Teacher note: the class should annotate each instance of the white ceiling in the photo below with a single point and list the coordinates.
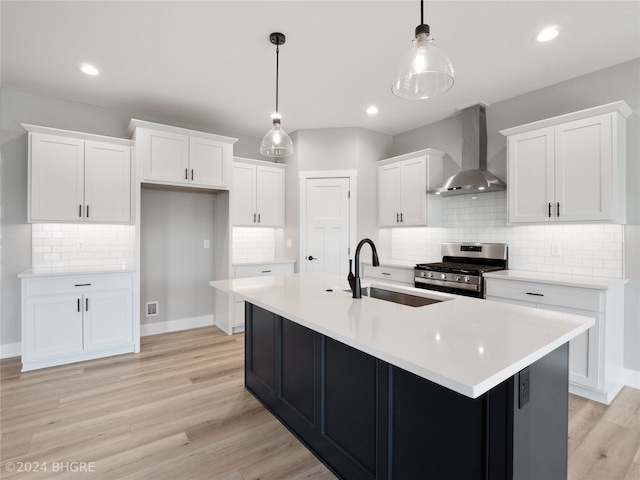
(211, 61)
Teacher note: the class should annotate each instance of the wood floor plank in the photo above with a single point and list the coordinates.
(179, 410)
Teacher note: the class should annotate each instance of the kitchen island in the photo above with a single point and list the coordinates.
(460, 388)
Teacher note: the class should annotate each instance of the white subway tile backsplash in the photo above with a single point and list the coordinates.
(70, 245)
(586, 249)
(253, 244)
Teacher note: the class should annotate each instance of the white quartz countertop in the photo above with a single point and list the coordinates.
(467, 345)
(583, 281)
(57, 271)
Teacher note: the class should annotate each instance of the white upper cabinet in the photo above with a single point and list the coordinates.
(177, 156)
(257, 193)
(402, 189)
(76, 177)
(569, 168)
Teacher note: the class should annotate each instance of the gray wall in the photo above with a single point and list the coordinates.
(620, 82)
(175, 268)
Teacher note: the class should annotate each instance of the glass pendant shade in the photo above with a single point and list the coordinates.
(276, 142)
(425, 71)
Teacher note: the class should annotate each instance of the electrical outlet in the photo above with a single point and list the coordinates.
(556, 249)
(289, 243)
(525, 388)
(206, 244)
(152, 309)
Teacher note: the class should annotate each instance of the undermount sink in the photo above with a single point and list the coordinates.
(395, 297)
(401, 298)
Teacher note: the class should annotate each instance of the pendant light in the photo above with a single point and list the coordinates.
(276, 143)
(425, 71)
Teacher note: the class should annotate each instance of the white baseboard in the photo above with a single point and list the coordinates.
(8, 350)
(631, 378)
(175, 325)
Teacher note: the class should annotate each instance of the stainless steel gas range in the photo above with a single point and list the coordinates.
(462, 267)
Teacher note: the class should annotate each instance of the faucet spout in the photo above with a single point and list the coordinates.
(356, 288)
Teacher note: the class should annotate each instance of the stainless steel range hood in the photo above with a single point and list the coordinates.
(474, 177)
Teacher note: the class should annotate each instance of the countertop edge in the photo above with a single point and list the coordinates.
(66, 271)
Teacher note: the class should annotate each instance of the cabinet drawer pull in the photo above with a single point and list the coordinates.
(192, 174)
(80, 211)
(86, 304)
(82, 285)
(266, 271)
(401, 217)
(549, 209)
(558, 209)
(87, 211)
(78, 305)
(385, 273)
(258, 218)
(186, 174)
(254, 217)
(535, 294)
(397, 218)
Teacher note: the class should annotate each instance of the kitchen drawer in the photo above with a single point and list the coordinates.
(77, 283)
(388, 273)
(544, 294)
(259, 270)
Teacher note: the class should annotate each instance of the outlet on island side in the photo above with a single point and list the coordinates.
(524, 388)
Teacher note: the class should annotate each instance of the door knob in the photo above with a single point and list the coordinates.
(310, 257)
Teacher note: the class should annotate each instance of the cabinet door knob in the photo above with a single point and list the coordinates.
(310, 257)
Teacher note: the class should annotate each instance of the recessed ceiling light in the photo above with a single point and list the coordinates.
(89, 69)
(372, 110)
(547, 34)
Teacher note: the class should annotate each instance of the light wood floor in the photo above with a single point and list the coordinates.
(178, 410)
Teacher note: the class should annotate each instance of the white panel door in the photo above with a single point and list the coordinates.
(584, 169)
(57, 178)
(270, 196)
(413, 192)
(208, 163)
(107, 182)
(53, 326)
(108, 319)
(531, 176)
(166, 157)
(327, 231)
(389, 195)
(243, 192)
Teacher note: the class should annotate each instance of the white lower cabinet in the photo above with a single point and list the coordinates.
(72, 318)
(236, 316)
(595, 356)
(388, 273)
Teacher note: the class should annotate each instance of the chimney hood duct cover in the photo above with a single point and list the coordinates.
(474, 176)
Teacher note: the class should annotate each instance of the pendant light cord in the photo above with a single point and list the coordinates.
(277, 73)
(421, 12)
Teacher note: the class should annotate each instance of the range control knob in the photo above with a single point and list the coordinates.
(466, 279)
(443, 276)
(430, 274)
(457, 279)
